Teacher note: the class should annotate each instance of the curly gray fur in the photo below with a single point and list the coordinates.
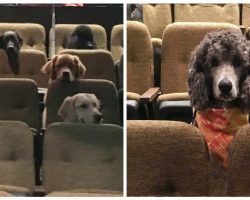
(229, 46)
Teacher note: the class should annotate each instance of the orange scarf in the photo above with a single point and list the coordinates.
(218, 126)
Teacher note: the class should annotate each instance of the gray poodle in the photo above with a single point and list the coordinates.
(219, 88)
(218, 71)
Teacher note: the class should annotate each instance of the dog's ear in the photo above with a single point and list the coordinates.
(20, 40)
(49, 67)
(81, 69)
(198, 87)
(245, 95)
(66, 109)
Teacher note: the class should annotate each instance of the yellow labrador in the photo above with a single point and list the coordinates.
(82, 107)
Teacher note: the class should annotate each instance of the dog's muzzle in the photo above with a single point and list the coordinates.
(225, 86)
(98, 117)
(66, 77)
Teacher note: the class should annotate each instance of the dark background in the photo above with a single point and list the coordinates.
(106, 15)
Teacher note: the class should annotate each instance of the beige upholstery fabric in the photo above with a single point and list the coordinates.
(30, 61)
(179, 40)
(157, 17)
(16, 157)
(140, 71)
(83, 156)
(166, 158)
(99, 63)
(5, 194)
(174, 97)
(19, 101)
(33, 35)
(133, 96)
(116, 41)
(103, 89)
(239, 162)
(156, 42)
(86, 193)
(229, 13)
(246, 15)
(14, 190)
(63, 32)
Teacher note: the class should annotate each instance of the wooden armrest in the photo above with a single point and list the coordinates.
(150, 95)
(242, 28)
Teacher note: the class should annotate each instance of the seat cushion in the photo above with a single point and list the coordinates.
(175, 110)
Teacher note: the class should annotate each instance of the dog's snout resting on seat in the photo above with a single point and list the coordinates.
(12, 42)
(65, 67)
(82, 107)
(219, 88)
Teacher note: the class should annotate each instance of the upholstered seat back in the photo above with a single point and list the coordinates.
(99, 63)
(179, 40)
(229, 13)
(16, 157)
(140, 73)
(104, 90)
(30, 64)
(83, 156)
(116, 42)
(157, 17)
(166, 158)
(238, 173)
(63, 32)
(33, 35)
(19, 101)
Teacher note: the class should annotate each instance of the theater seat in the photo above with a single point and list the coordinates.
(238, 168)
(16, 159)
(229, 13)
(105, 91)
(31, 62)
(99, 63)
(63, 32)
(166, 158)
(33, 34)
(116, 42)
(140, 70)
(83, 159)
(179, 40)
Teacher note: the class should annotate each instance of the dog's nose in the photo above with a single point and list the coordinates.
(98, 117)
(225, 86)
(10, 49)
(65, 76)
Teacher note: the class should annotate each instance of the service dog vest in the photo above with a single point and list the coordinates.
(218, 126)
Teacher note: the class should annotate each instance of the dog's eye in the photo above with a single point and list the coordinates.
(83, 106)
(214, 61)
(94, 104)
(237, 61)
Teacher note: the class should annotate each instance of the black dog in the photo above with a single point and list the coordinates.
(81, 38)
(11, 42)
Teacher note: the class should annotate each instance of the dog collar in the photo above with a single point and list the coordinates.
(218, 126)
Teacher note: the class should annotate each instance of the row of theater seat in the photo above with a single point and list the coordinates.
(78, 160)
(161, 56)
(158, 16)
(100, 63)
(20, 100)
(167, 158)
(178, 41)
(34, 36)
